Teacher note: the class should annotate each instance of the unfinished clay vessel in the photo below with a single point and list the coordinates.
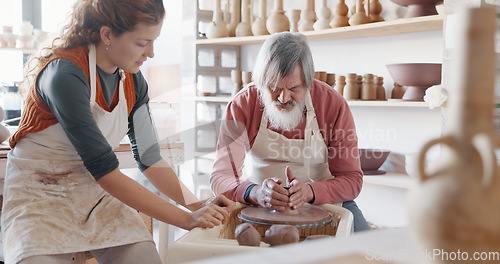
(278, 235)
(456, 205)
(247, 235)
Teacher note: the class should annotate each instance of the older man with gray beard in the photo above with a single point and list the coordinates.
(287, 128)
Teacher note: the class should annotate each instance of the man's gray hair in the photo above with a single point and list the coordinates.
(278, 56)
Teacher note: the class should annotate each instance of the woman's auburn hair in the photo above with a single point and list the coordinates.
(84, 25)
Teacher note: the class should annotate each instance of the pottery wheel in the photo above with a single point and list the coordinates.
(308, 216)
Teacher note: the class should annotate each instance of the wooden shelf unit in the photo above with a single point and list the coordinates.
(392, 27)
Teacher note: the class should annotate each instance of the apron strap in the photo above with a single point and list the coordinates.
(93, 72)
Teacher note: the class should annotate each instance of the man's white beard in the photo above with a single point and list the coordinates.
(280, 118)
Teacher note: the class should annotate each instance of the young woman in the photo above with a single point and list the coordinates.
(63, 190)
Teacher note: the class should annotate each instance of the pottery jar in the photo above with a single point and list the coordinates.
(278, 21)
(307, 17)
(217, 28)
(244, 28)
(456, 205)
(259, 25)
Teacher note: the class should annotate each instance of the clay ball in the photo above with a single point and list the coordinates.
(247, 235)
(282, 234)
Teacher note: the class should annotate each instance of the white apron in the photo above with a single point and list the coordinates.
(272, 152)
(52, 204)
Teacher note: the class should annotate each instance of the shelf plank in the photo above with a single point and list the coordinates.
(396, 26)
(390, 179)
(387, 103)
(214, 99)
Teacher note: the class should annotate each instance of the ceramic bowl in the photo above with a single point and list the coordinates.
(417, 77)
(372, 159)
(418, 8)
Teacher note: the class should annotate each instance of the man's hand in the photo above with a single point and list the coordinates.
(300, 193)
(270, 195)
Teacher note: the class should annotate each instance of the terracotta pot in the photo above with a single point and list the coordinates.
(340, 18)
(278, 21)
(360, 16)
(456, 205)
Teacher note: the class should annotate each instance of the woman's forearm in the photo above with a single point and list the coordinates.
(140, 198)
(163, 177)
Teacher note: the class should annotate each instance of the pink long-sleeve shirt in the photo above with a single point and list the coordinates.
(239, 129)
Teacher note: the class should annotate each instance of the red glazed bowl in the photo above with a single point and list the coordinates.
(418, 8)
(417, 77)
(372, 159)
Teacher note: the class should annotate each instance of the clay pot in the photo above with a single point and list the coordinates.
(278, 235)
(278, 21)
(340, 18)
(375, 10)
(244, 28)
(351, 89)
(259, 25)
(235, 17)
(294, 20)
(217, 28)
(456, 205)
(397, 92)
(307, 17)
(247, 235)
(324, 15)
(360, 16)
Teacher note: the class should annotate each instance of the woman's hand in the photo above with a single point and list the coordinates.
(300, 193)
(270, 195)
(212, 214)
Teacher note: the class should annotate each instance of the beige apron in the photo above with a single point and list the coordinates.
(53, 205)
(272, 152)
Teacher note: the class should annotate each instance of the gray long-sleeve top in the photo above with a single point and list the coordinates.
(63, 86)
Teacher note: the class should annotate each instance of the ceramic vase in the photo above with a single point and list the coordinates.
(259, 25)
(455, 207)
(278, 21)
(340, 84)
(368, 90)
(375, 10)
(351, 88)
(307, 17)
(340, 18)
(217, 28)
(379, 87)
(398, 91)
(360, 16)
(234, 17)
(244, 28)
(324, 14)
(294, 20)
